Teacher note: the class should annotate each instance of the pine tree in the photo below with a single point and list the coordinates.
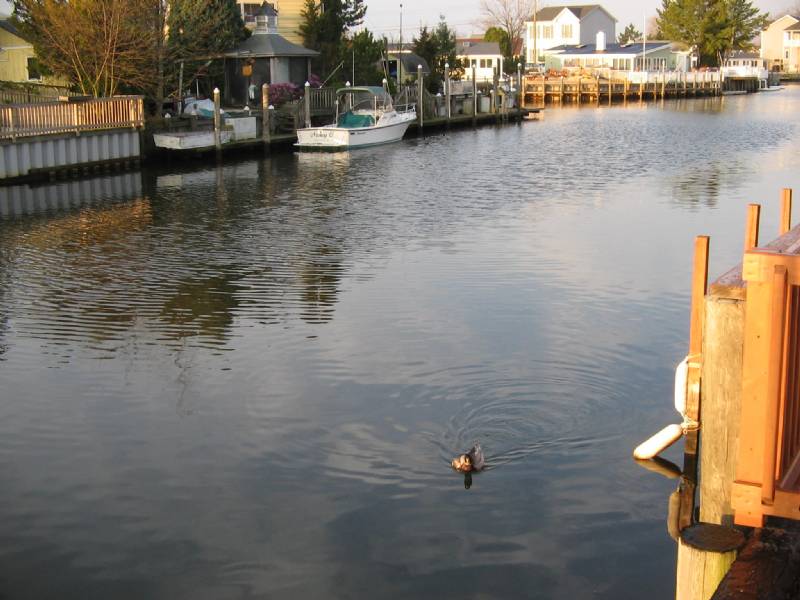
(324, 28)
(629, 34)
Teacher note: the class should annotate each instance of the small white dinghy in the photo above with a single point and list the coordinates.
(365, 116)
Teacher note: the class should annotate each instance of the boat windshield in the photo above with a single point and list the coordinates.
(361, 106)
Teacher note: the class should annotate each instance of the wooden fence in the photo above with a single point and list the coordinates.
(44, 118)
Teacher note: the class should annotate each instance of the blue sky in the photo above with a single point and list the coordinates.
(383, 16)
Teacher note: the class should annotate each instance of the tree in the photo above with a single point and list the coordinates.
(324, 28)
(714, 27)
(495, 34)
(509, 16)
(99, 45)
(366, 54)
(199, 29)
(629, 34)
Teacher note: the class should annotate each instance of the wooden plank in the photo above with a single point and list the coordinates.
(721, 376)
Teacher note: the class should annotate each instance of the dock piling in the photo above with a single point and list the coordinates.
(786, 211)
(265, 125)
(217, 121)
(420, 92)
(307, 103)
(751, 229)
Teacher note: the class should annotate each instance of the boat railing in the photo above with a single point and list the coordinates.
(405, 108)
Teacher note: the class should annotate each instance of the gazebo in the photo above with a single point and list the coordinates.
(264, 57)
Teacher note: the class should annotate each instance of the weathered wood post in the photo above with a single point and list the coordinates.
(265, 125)
(786, 211)
(180, 90)
(520, 91)
(217, 121)
(493, 92)
(447, 94)
(420, 98)
(751, 230)
(307, 103)
(474, 96)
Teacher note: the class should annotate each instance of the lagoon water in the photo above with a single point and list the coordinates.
(247, 381)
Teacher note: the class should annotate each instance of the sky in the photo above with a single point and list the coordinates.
(383, 16)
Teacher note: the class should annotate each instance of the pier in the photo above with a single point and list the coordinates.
(608, 86)
(741, 467)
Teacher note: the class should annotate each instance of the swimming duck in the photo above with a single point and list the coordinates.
(470, 461)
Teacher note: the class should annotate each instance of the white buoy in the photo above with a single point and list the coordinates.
(659, 442)
(681, 378)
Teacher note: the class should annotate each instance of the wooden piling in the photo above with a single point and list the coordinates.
(786, 211)
(307, 103)
(705, 554)
(447, 91)
(265, 125)
(474, 97)
(420, 97)
(751, 229)
(217, 121)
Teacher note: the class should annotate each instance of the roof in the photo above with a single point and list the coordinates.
(267, 10)
(743, 54)
(579, 10)
(269, 44)
(585, 49)
(8, 26)
(795, 27)
(411, 61)
(480, 49)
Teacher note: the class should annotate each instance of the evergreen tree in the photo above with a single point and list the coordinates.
(324, 28)
(714, 27)
(629, 34)
(365, 55)
(495, 34)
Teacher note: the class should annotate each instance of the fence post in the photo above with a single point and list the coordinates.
(420, 98)
(447, 89)
(75, 118)
(265, 113)
(217, 121)
(786, 211)
(520, 93)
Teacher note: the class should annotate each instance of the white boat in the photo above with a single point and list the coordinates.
(771, 88)
(365, 116)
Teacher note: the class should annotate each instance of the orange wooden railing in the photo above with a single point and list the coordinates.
(768, 463)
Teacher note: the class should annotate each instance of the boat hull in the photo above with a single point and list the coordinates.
(341, 138)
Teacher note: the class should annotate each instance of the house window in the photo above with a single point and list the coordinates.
(34, 70)
(787, 55)
(566, 31)
(486, 63)
(546, 32)
(249, 12)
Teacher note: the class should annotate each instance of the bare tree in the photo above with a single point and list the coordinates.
(508, 15)
(100, 45)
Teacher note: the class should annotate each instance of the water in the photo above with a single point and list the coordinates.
(248, 381)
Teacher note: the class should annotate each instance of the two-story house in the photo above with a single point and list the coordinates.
(566, 25)
(290, 12)
(780, 44)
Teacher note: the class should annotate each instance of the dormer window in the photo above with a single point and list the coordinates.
(266, 19)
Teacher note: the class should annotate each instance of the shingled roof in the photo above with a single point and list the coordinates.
(550, 12)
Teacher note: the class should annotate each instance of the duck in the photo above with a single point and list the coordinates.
(472, 460)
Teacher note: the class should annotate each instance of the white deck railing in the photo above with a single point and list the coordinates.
(43, 118)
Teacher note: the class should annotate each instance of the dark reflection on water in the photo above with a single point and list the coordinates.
(249, 380)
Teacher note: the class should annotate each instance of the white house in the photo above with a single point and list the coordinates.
(566, 25)
(780, 44)
(652, 56)
(486, 57)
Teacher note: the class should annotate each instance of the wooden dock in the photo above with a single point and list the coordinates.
(541, 89)
(743, 389)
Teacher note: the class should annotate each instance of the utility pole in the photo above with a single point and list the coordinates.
(535, 33)
(400, 53)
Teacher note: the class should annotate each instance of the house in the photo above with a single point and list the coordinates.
(264, 57)
(652, 56)
(566, 25)
(290, 11)
(18, 62)
(401, 59)
(486, 57)
(780, 44)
